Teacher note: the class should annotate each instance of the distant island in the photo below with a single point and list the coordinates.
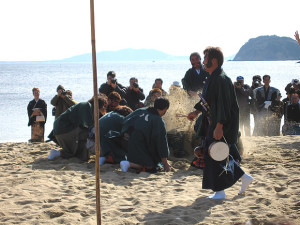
(269, 48)
(126, 55)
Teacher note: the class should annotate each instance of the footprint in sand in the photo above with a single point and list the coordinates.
(127, 209)
(53, 200)
(293, 181)
(296, 207)
(179, 190)
(26, 202)
(254, 207)
(282, 195)
(73, 209)
(53, 214)
(279, 189)
(90, 195)
(263, 201)
(36, 153)
(84, 214)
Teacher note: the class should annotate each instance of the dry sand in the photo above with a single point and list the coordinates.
(34, 190)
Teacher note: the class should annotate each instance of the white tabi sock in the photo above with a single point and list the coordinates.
(53, 154)
(124, 165)
(102, 160)
(218, 195)
(246, 181)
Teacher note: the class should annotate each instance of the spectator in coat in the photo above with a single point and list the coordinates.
(134, 94)
(62, 101)
(243, 92)
(112, 85)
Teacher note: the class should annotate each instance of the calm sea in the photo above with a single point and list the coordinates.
(18, 78)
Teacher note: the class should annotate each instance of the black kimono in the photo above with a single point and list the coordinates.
(220, 95)
(37, 128)
(193, 81)
(41, 104)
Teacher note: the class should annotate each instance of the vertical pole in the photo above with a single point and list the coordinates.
(96, 114)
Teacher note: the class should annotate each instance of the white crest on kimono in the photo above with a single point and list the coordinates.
(142, 115)
(146, 117)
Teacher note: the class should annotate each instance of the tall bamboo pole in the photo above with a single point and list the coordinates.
(96, 114)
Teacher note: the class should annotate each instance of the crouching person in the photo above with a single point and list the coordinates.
(111, 150)
(71, 129)
(147, 138)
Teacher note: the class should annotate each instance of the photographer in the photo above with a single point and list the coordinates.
(62, 101)
(256, 83)
(243, 92)
(295, 84)
(112, 85)
(292, 122)
(134, 94)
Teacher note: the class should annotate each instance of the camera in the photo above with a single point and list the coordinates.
(113, 80)
(135, 85)
(237, 84)
(256, 83)
(63, 92)
(53, 111)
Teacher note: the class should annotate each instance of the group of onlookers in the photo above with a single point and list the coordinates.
(260, 99)
(133, 95)
(264, 103)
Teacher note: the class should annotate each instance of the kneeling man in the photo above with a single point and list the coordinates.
(147, 138)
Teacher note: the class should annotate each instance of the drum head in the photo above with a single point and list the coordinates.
(218, 151)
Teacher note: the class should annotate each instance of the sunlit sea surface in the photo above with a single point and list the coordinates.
(18, 78)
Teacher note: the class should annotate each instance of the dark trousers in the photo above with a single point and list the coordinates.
(245, 123)
(73, 143)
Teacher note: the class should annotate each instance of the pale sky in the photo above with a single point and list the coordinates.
(57, 29)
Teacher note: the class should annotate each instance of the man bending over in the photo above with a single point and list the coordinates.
(147, 138)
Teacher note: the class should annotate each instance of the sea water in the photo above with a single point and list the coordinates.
(18, 78)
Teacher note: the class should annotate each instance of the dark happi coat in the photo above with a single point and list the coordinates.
(220, 95)
(111, 121)
(79, 115)
(147, 143)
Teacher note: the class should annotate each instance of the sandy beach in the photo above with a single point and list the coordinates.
(34, 190)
